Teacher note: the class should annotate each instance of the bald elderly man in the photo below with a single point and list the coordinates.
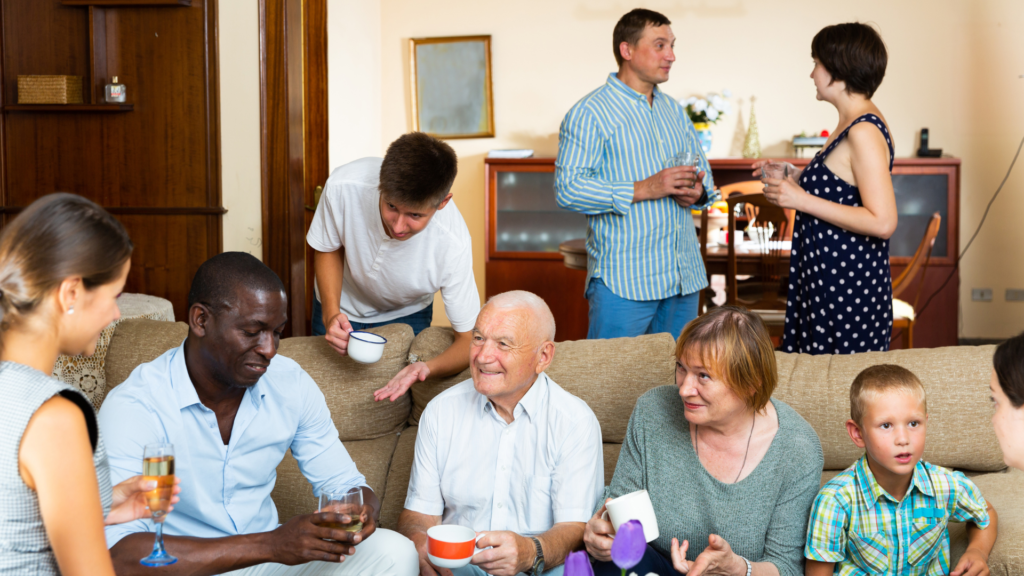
(508, 453)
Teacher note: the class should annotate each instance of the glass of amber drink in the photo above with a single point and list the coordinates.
(349, 503)
(158, 465)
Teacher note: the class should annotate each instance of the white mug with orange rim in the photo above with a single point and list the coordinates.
(451, 546)
(633, 506)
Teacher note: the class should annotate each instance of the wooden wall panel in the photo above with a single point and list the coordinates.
(293, 89)
(156, 167)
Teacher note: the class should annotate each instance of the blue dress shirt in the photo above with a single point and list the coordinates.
(225, 489)
(610, 139)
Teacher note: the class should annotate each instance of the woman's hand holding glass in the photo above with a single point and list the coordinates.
(130, 500)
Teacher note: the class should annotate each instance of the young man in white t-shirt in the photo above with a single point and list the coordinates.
(387, 237)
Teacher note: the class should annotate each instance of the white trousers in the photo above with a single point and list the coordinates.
(384, 553)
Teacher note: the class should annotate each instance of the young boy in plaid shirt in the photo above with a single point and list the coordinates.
(887, 513)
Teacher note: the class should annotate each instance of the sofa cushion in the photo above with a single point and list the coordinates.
(1005, 491)
(293, 494)
(956, 383)
(348, 386)
(429, 344)
(609, 375)
(398, 478)
(138, 341)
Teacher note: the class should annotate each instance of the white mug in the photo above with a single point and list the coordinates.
(634, 506)
(365, 347)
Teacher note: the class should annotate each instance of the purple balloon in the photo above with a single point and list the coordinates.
(578, 564)
(629, 545)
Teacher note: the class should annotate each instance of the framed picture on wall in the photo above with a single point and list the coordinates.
(451, 86)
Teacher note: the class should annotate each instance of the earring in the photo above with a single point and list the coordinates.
(71, 309)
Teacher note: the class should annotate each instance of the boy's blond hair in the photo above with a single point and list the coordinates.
(877, 380)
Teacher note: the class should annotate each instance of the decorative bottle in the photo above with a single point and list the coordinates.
(115, 91)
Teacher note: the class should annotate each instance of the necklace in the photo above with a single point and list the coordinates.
(696, 446)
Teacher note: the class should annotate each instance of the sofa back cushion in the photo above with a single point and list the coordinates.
(609, 375)
(955, 379)
(138, 341)
(348, 386)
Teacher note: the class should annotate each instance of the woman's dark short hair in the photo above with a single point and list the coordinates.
(630, 28)
(418, 170)
(58, 236)
(1009, 365)
(853, 53)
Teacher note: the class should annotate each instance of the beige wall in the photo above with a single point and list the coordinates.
(953, 68)
(239, 59)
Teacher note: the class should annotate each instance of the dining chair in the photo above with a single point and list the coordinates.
(903, 313)
(770, 268)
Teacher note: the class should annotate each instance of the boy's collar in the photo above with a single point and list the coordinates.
(921, 479)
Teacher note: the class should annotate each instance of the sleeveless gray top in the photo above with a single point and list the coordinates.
(24, 547)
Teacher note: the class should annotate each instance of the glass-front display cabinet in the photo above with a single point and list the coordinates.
(524, 227)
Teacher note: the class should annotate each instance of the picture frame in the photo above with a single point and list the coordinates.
(451, 86)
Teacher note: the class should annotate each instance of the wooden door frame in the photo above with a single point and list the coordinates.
(293, 139)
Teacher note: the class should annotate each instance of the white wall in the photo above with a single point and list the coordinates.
(353, 80)
(239, 63)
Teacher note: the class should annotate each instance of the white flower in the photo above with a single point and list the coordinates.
(726, 92)
(712, 114)
(718, 102)
(690, 101)
(700, 105)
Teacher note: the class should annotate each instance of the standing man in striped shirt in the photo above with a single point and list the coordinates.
(644, 270)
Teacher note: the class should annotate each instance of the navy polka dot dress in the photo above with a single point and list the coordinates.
(840, 287)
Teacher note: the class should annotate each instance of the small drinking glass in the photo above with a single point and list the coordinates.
(775, 171)
(685, 158)
(158, 465)
(348, 502)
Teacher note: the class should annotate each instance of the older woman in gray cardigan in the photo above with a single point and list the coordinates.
(731, 472)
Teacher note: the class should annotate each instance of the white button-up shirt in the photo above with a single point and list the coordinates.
(474, 470)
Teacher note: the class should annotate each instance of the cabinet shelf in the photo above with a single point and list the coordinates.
(69, 108)
(126, 2)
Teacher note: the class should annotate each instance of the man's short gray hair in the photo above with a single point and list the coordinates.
(545, 325)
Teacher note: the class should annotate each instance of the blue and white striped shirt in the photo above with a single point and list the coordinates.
(609, 140)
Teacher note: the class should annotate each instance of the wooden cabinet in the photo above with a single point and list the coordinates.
(153, 162)
(524, 227)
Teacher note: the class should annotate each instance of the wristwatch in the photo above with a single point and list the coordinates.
(538, 563)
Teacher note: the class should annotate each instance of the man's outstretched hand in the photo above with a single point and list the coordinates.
(400, 384)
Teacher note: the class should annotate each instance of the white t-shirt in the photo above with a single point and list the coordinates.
(384, 278)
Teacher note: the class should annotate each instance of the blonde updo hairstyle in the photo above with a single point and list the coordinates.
(58, 236)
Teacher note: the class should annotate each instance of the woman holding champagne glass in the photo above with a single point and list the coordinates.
(63, 262)
(840, 288)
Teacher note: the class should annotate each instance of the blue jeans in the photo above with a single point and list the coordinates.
(612, 316)
(418, 320)
(471, 570)
(652, 561)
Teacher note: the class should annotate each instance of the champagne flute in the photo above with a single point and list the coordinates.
(158, 465)
(349, 502)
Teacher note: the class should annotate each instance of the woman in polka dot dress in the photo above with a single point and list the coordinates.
(840, 288)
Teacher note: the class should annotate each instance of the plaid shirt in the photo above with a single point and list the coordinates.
(864, 530)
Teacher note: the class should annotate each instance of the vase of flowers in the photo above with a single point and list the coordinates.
(704, 112)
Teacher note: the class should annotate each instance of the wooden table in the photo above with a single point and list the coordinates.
(575, 254)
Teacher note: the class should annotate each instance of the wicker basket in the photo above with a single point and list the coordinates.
(49, 89)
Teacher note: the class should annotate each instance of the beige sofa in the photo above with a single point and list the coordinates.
(610, 375)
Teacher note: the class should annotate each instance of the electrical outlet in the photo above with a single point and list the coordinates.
(1014, 295)
(981, 294)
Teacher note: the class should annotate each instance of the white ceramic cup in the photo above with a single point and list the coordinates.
(365, 347)
(451, 546)
(634, 506)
